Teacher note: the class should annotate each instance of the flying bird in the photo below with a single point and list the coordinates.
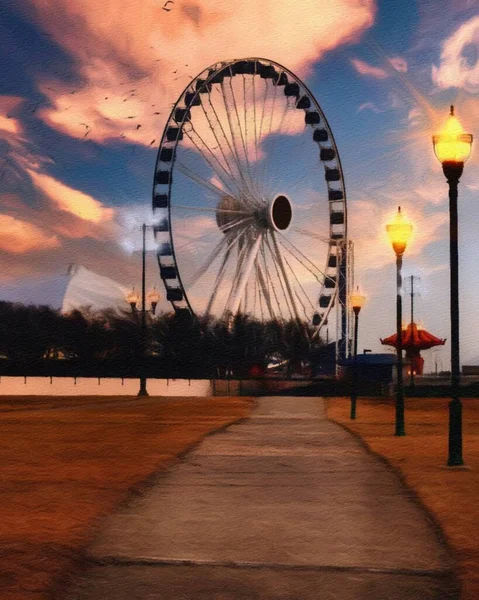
(134, 117)
(138, 126)
(86, 134)
(166, 4)
(175, 71)
(157, 113)
(151, 144)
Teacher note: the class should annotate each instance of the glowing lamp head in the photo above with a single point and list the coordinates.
(399, 232)
(133, 299)
(452, 145)
(357, 301)
(153, 298)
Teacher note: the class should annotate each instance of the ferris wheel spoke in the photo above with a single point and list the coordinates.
(266, 295)
(237, 176)
(234, 146)
(208, 262)
(270, 280)
(219, 277)
(240, 129)
(254, 119)
(245, 273)
(200, 180)
(224, 228)
(219, 144)
(209, 160)
(279, 258)
(293, 273)
(234, 283)
(304, 257)
(287, 299)
(311, 234)
(273, 145)
(254, 180)
(215, 210)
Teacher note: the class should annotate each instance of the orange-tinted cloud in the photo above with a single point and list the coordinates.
(454, 69)
(136, 61)
(363, 68)
(399, 63)
(18, 237)
(70, 200)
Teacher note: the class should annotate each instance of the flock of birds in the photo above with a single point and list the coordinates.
(167, 7)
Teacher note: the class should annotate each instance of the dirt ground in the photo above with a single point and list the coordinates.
(66, 462)
(452, 495)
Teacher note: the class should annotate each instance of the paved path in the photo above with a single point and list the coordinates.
(285, 505)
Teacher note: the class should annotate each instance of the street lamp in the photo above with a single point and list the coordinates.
(399, 231)
(153, 298)
(452, 147)
(133, 298)
(357, 302)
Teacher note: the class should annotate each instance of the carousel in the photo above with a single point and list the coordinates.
(414, 339)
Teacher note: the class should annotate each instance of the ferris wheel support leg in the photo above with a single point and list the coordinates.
(245, 275)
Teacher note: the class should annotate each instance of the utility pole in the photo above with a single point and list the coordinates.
(412, 294)
(143, 391)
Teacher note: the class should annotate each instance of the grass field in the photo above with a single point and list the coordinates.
(451, 495)
(67, 462)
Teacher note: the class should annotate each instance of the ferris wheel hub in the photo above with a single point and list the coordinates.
(280, 213)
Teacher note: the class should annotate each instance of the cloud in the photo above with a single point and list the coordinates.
(372, 247)
(364, 68)
(70, 200)
(18, 236)
(399, 63)
(137, 62)
(459, 67)
(369, 106)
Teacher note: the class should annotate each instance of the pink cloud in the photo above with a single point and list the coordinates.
(71, 200)
(143, 59)
(399, 63)
(454, 69)
(364, 68)
(18, 236)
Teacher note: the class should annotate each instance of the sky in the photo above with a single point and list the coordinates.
(76, 172)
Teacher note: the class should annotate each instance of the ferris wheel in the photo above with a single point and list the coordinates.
(247, 221)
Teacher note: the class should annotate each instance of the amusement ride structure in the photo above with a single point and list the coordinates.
(246, 222)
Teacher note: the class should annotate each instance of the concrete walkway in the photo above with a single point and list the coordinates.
(285, 505)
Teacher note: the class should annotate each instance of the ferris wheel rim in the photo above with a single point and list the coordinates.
(179, 296)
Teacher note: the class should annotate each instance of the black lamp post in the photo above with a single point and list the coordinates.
(399, 232)
(133, 298)
(452, 147)
(357, 302)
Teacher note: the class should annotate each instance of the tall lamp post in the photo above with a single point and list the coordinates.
(399, 231)
(357, 302)
(133, 298)
(452, 147)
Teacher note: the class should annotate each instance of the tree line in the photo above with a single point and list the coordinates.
(37, 340)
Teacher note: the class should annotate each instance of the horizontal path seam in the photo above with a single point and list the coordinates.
(151, 562)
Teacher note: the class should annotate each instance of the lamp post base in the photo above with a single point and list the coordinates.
(352, 414)
(142, 391)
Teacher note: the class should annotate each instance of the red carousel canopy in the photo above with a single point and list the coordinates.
(413, 337)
